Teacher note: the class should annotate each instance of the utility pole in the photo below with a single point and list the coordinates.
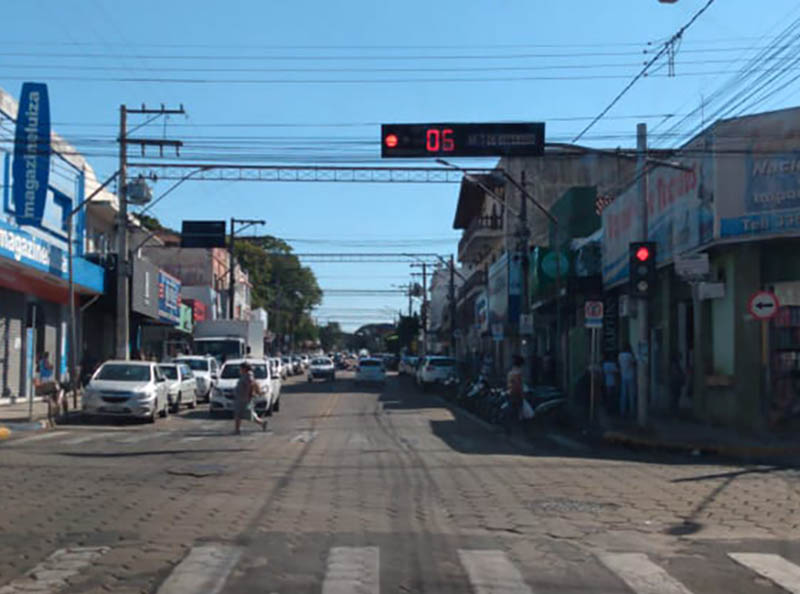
(123, 266)
(524, 310)
(424, 309)
(232, 258)
(642, 314)
(452, 298)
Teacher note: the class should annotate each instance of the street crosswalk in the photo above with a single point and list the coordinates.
(215, 567)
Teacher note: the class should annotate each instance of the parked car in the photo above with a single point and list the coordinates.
(297, 364)
(321, 368)
(391, 362)
(277, 367)
(181, 385)
(370, 370)
(408, 365)
(435, 369)
(127, 388)
(306, 361)
(288, 367)
(205, 371)
(223, 395)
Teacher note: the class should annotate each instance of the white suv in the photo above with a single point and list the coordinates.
(435, 369)
(223, 396)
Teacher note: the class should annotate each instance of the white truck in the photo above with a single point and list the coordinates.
(229, 339)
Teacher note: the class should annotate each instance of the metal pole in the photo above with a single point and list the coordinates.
(642, 368)
(73, 343)
(592, 363)
(424, 310)
(123, 321)
(29, 382)
(524, 309)
(452, 291)
(231, 272)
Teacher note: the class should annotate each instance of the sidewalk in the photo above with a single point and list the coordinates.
(695, 437)
(14, 416)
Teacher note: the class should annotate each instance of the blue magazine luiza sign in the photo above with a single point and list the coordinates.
(31, 167)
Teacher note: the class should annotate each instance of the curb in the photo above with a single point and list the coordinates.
(617, 437)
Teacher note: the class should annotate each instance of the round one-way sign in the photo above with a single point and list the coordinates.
(763, 305)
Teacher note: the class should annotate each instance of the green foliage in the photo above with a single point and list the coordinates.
(331, 336)
(407, 330)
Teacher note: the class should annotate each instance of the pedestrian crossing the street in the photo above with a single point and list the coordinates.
(210, 567)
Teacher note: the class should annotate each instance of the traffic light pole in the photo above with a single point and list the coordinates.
(643, 319)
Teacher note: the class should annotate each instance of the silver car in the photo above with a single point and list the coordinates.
(127, 389)
(181, 385)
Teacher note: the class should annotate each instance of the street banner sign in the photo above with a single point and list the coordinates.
(763, 305)
(31, 168)
(593, 314)
(202, 234)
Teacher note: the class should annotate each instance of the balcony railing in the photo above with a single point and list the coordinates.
(476, 279)
(479, 225)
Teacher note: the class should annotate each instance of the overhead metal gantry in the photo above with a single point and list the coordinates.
(297, 173)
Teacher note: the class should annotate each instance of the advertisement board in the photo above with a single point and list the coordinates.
(679, 215)
(169, 300)
(498, 292)
(31, 168)
(144, 289)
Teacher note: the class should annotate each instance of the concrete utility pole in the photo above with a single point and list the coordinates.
(643, 348)
(424, 309)
(452, 297)
(123, 267)
(123, 307)
(524, 310)
(232, 258)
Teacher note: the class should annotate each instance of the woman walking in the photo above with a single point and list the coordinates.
(246, 389)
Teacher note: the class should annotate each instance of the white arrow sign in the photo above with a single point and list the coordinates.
(763, 305)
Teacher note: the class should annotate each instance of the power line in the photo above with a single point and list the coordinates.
(644, 70)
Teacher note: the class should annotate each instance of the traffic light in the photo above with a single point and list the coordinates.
(642, 264)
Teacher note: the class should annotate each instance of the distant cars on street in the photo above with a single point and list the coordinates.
(321, 368)
(408, 365)
(127, 389)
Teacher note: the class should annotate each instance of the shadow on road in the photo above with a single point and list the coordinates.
(152, 453)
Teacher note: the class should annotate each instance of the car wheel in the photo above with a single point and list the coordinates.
(277, 406)
(176, 408)
(310, 379)
(193, 403)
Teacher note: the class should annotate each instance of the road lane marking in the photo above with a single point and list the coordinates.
(352, 569)
(492, 572)
(51, 575)
(191, 438)
(40, 436)
(85, 438)
(642, 575)
(773, 567)
(205, 570)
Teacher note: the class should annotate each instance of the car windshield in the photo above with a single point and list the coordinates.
(169, 371)
(218, 348)
(195, 364)
(233, 371)
(321, 362)
(122, 372)
(442, 362)
(369, 363)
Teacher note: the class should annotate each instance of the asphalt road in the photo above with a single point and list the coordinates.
(367, 489)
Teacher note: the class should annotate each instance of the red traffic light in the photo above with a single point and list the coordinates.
(390, 140)
(642, 254)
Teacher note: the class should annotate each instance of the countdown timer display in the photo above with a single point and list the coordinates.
(462, 140)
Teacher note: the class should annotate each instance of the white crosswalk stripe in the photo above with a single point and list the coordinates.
(642, 575)
(205, 570)
(773, 567)
(86, 438)
(352, 569)
(492, 572)
(40, 436)
(51, 575)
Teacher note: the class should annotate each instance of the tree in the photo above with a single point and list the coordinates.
(407, 330)
(331, 336)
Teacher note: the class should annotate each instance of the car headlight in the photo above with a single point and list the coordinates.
(145, 395)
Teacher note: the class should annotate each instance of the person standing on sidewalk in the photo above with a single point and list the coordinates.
(627, 371)
(610, 381)
(514, 384)
(246, 389)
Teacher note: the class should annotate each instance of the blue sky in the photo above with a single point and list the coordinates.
(567, 59)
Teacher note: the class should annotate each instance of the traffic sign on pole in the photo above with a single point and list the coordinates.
(763, 305)
(593, 314)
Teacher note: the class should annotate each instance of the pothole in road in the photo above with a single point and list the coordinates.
(573, 505)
